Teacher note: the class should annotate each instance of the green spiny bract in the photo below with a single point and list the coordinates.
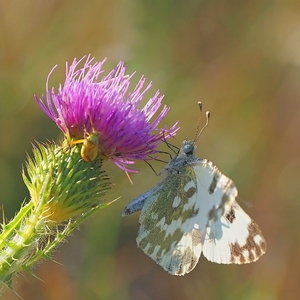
(64, 191)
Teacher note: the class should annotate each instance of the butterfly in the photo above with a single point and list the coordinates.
(193, 210)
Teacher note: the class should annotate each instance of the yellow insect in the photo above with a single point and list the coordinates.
(90, 147)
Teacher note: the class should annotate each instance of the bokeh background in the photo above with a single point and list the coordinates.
(240, 58)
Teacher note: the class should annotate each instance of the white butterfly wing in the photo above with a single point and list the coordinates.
(231, 236)
(234, 238)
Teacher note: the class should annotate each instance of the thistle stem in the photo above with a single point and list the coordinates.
(20, 238)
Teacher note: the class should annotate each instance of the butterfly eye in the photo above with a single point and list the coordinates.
(188, 148)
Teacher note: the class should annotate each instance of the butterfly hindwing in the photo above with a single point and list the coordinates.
(185, 255)
(167, 217)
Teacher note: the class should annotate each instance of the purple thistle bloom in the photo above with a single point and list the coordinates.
(87, 104)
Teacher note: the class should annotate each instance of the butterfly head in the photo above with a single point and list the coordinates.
(188, 147)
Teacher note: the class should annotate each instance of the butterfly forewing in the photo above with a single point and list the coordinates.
(234, 238)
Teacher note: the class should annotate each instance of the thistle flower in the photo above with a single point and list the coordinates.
(100, 120)
(104, 117)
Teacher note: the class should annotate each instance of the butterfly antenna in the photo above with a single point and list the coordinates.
(198, 125)
(199, 131)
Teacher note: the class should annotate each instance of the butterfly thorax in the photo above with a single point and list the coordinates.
(184, 157)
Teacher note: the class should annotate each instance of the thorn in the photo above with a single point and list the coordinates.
(129, 177)
(3, 217)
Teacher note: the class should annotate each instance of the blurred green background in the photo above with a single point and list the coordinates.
(240, 58)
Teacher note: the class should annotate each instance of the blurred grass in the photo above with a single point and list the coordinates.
(240, 58)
